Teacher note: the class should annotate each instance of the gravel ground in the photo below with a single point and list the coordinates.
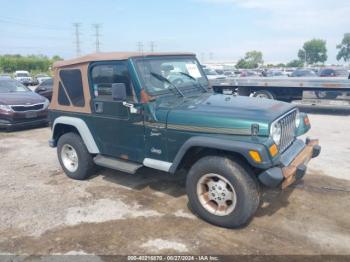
(44, 212)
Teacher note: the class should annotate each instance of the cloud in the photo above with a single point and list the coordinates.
(304, 15)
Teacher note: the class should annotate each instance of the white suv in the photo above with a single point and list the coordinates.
(24, 77)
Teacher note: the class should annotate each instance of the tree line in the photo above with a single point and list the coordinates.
(312, 52)
(31, 63)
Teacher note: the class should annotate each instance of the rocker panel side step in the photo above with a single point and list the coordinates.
(117, 164)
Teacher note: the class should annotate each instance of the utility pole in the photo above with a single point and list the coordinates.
(202, 57)
(152, 46)
(97, 36)
(140, 47)
(211, 56)
(77, 38)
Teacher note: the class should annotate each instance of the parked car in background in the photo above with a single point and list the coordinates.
(275, 73)
(248, 73)
(23, 77)
(331, 72)
(288, 71)
(212, 74)
(5, 76)
(20, 107)
(229, 73)
(39, 78)
(303, 73)
(45, 88)
(334, 72)
(219, 71)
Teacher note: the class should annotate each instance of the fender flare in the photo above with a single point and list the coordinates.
(82, 128)
(239, 147)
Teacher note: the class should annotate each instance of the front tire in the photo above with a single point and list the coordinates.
(264, 94)
(222, 191)
(74, 157)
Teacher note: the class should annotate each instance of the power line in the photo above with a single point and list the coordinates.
(77, 38)
(34, 37)
(97, 36)
(17, 22)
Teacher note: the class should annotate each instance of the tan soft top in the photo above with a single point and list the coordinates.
(111, 56)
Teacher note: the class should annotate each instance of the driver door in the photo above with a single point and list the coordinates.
(119, 129)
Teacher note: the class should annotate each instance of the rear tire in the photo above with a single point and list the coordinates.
(74, 157)
(222, 191)
(264, 94)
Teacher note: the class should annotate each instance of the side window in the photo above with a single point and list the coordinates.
(72, 82)
(62, 97)
(103, 76)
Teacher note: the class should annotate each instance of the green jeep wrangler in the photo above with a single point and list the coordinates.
(125, 111)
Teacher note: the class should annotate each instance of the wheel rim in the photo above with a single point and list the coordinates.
(216, 194)
(260, 95)
(69, 158)
(321, 94)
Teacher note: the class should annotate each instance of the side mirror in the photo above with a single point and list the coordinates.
(119, 91)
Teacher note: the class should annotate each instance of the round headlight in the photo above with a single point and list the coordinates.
(297, 119)
(276, 131)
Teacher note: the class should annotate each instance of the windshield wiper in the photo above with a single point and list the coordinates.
(194, 79)
(163, 79)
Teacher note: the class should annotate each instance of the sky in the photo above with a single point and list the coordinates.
(216, 30)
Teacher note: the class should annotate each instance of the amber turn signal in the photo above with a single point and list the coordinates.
(273, 150)
(306, 121)
(255, 156)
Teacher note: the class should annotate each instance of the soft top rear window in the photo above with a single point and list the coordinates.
(72, 83)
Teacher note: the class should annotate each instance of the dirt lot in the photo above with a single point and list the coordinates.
(44, 212)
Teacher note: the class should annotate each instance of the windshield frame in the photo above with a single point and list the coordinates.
(144, 86)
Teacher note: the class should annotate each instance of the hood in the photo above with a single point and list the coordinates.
(21, 98)
(226, 114)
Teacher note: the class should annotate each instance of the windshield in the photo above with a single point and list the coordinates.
(10, 86)
(164, 74)
(48, 82)
(22, 75)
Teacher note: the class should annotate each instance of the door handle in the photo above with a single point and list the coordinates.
(132, 108)
(98, 107)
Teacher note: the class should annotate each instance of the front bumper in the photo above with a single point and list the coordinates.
(293, 166)
(23, 124)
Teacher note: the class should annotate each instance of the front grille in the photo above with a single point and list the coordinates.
(287, 130)
(27, 108)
